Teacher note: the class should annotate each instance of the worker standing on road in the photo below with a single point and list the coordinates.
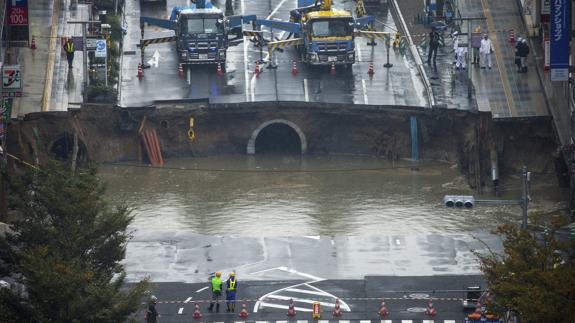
(216, 292)
(461, 53)
(151, 313)
(433, 44)
(522, 52)
(69, 49)
(485, 50)
(476, 44)
(231, 287)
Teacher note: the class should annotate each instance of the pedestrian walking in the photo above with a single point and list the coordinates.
(522, 52)
(455, 36)
(517, 50)
(485, 50)
(476, 44)
(433, 44)
(216, 283)
(231, 287)
(461, 53)
(151, 314)
(69, 49)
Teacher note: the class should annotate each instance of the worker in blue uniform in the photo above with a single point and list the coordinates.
(231, 287)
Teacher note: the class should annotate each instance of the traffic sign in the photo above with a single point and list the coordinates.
(11, 81)
(17, 12)
(101, 50)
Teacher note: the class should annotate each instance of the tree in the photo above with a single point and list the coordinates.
(67, 248)
(535, 277)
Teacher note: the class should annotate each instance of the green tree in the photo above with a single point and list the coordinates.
(67, 247)
(535, 277)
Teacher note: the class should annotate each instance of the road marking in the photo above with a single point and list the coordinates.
(246, 76)
(364, 88)
(427, 321)
(301, 321)
(261, 321)
(397, 241)
(155, 60)
(323, 321)
(305, 91)
(365, 321)
(276, 9)
(265, 270)
(449, 321)
(181, 311)
(286, 322)
(285, 307)
(201, 289)
(358, 48)
(386, 321)
(305, 291)
(313, 237)
(293, 271)
(343, 321)
(343, 304)
(188, 300)
(406, 321)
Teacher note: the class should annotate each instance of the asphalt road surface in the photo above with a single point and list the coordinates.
(406, 299)
(399, 85)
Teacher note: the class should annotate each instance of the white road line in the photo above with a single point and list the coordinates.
(305, 91)
(240, 322)
(265, 270)
(323, 321)
(449, 321)
(364, 88)
(343, 321)
(301, 321)
(427, 321)
(305, 291)
(397, 241)
(201, 289)
(181, 311)
(301, 300)
(358, 48)
(293, 271)
(189, 299)
(313, 237)
(406, 321)
(343, 304)
(365, 321)
(275, 9)
(261, 321)
(285, 307)
(386, 321)
(283, 322)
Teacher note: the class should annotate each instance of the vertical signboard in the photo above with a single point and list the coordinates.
(559, 40)
(11, 81)
(16, 20)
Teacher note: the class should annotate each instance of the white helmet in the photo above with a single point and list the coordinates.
(153, 299)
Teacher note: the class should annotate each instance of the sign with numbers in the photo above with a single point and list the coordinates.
(17, 12)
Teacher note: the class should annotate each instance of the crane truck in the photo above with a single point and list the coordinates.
(321, 34)
(202, 32)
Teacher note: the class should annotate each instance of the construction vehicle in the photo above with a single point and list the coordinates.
(202, 33)
(321, 34)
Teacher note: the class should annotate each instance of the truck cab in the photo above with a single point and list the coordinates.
(329, 38)
(202, 37)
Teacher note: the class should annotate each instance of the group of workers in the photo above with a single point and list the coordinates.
(482, 48)
(231, 286)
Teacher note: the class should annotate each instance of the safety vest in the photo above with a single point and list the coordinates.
(232, 284)
(69, 47)
(216, 284)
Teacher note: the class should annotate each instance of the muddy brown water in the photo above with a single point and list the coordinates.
(299, 196)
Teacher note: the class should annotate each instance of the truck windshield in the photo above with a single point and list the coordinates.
(330, 28)
(203, 26)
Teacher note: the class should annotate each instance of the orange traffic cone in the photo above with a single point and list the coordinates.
(197, 313)
(244, 312)
(291, 308)
(33, 44)
(337, 309)
(294, 70)
(258, 70)
(430, 310)
(332, 70)
(512, 36)
(370, 71)
(140, 71)
(220, 72)
(382, 309)
(181, 70)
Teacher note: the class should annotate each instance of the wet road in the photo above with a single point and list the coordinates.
(399, 85)
(350, 215)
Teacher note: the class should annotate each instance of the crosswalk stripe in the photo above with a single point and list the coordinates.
(281, 321)
(240, 322)
(323, 321)
(365, 321)
(343, 321)
(449, 321)
(301, 300)
(406, 321)
(261, 321)
(301, 321)
(385, 321)
(180, 311)
(427, 321)
(301, 309)
(305, 291)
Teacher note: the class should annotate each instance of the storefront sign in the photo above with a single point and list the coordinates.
(559, 40)
(17, 12)
(545, 7)
(11, 81)
(101, 48)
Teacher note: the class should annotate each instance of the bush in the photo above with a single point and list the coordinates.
(100, 93)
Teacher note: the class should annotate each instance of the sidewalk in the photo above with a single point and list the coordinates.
(33, 63)
(502, 90)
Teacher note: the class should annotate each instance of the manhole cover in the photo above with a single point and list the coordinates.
(419, 296)
(416, 309)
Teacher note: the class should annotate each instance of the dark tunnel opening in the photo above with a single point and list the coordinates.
(63, 147)
(278, 138)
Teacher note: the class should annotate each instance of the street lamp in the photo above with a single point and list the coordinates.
(468, 201)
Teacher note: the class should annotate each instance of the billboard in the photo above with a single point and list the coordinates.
(559, 20)
(17, 12)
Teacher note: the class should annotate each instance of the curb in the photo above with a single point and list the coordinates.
(46, 97)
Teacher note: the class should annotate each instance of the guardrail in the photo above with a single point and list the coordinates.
(402, 26)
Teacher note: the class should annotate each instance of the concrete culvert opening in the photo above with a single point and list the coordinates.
(277, 137)
(63, 147)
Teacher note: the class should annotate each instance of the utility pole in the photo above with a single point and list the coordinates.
(84, 24)
(525, 178)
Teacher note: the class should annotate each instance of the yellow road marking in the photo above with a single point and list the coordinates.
(499, 60)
